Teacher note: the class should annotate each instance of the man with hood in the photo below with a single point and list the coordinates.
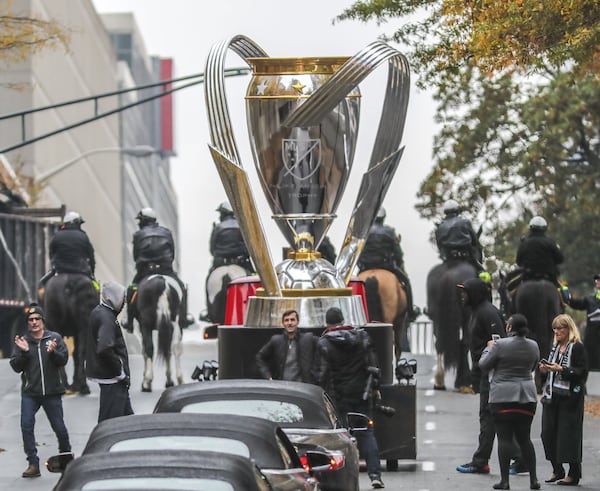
(40, 357)
(485, 320)
(107, 361)
(348, 366)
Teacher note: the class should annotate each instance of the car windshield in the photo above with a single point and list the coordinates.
(277, 411)
(215, 444)
(165, 483)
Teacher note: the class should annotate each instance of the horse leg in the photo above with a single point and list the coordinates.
(79, 380)
(177, 352)
(168, 356)
(439, 382)
(462, 382)
(148, 347)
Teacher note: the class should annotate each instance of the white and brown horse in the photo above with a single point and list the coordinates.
(159, 306)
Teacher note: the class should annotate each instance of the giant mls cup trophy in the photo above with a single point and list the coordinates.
(303, 116)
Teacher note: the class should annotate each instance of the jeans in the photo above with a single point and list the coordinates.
(367, 444)
(54, 411)
(114, 401)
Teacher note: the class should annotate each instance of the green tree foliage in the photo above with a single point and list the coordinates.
(519, 109)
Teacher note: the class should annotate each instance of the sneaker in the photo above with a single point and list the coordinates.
(518, 468)
(33, 470)
(377, 483)
(471, 468)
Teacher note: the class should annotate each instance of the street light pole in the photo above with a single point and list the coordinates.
(136, 151)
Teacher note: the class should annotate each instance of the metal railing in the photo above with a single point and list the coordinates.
(420, 338)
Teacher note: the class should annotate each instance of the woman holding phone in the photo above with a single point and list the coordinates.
(563, 402)
(513, 396)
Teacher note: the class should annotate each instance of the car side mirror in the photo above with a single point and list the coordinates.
(59, 462)
(358, 422)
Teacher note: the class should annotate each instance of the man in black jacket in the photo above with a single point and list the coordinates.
(485, 320)
(153, 253)
(539, 255)
(107, 361)
(227, 244)
(456, 238)
(290, 355)
(70, 250)
(591, 340)
(40, 357)
(348, 366)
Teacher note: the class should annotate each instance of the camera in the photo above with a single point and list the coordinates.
(208, 371)
(388, 411)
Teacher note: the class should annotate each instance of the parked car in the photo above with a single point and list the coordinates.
(175, 470)
(260, 440)
(304, 411)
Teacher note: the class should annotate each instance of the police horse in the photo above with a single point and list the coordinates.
(159, 306)
(387, 302)
(217, 281)
(450, 320)
(68, 299)
(539, 301)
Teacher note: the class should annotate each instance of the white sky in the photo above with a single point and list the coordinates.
(186, 29)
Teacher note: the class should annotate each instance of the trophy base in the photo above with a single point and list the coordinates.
(311, 307)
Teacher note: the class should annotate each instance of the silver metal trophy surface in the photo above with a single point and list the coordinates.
(303, 118)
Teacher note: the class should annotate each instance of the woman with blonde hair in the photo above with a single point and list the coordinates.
(563, 401)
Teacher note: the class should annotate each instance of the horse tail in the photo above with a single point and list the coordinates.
(373, 301)
(164, 324)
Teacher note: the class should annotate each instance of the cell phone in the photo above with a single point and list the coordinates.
(495, 337)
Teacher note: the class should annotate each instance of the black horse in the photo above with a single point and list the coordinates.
(450, 320)
(539, 301)
(217, 282)
(159, 306)
(68, 299)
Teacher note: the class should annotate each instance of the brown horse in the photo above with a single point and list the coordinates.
(386, 302)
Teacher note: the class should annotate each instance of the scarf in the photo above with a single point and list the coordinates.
(555, 384)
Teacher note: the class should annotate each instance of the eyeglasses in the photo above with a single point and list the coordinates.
(34, 319)
(558, 328)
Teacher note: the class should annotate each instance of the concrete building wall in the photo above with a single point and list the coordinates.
(106, 187)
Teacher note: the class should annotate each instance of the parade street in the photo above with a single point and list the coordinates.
(447, 429)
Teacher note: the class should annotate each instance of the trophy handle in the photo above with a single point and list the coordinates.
(386, 153)
(227, 159)
(374, 186)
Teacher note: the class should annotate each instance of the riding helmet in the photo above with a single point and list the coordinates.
(451, 206)
(72, 217)
(538, 223)
(146, 215)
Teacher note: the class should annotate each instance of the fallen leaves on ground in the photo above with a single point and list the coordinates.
(592, 406)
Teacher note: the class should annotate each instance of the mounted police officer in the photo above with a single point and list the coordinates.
(70, 249)
(227, 244)
(382, 251)
(153, 253)
(539, 255)
(591, 339)
(456, 238)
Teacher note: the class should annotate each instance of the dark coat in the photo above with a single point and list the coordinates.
(345, 354)
(72, 252)
(106, 356)
(591, 341)
(382, 248)
(37, 364)
(226, 240)
(456, 232)
(539, 255)
(271, 357)
(562, 417)
(153, 244)
(485, 320)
